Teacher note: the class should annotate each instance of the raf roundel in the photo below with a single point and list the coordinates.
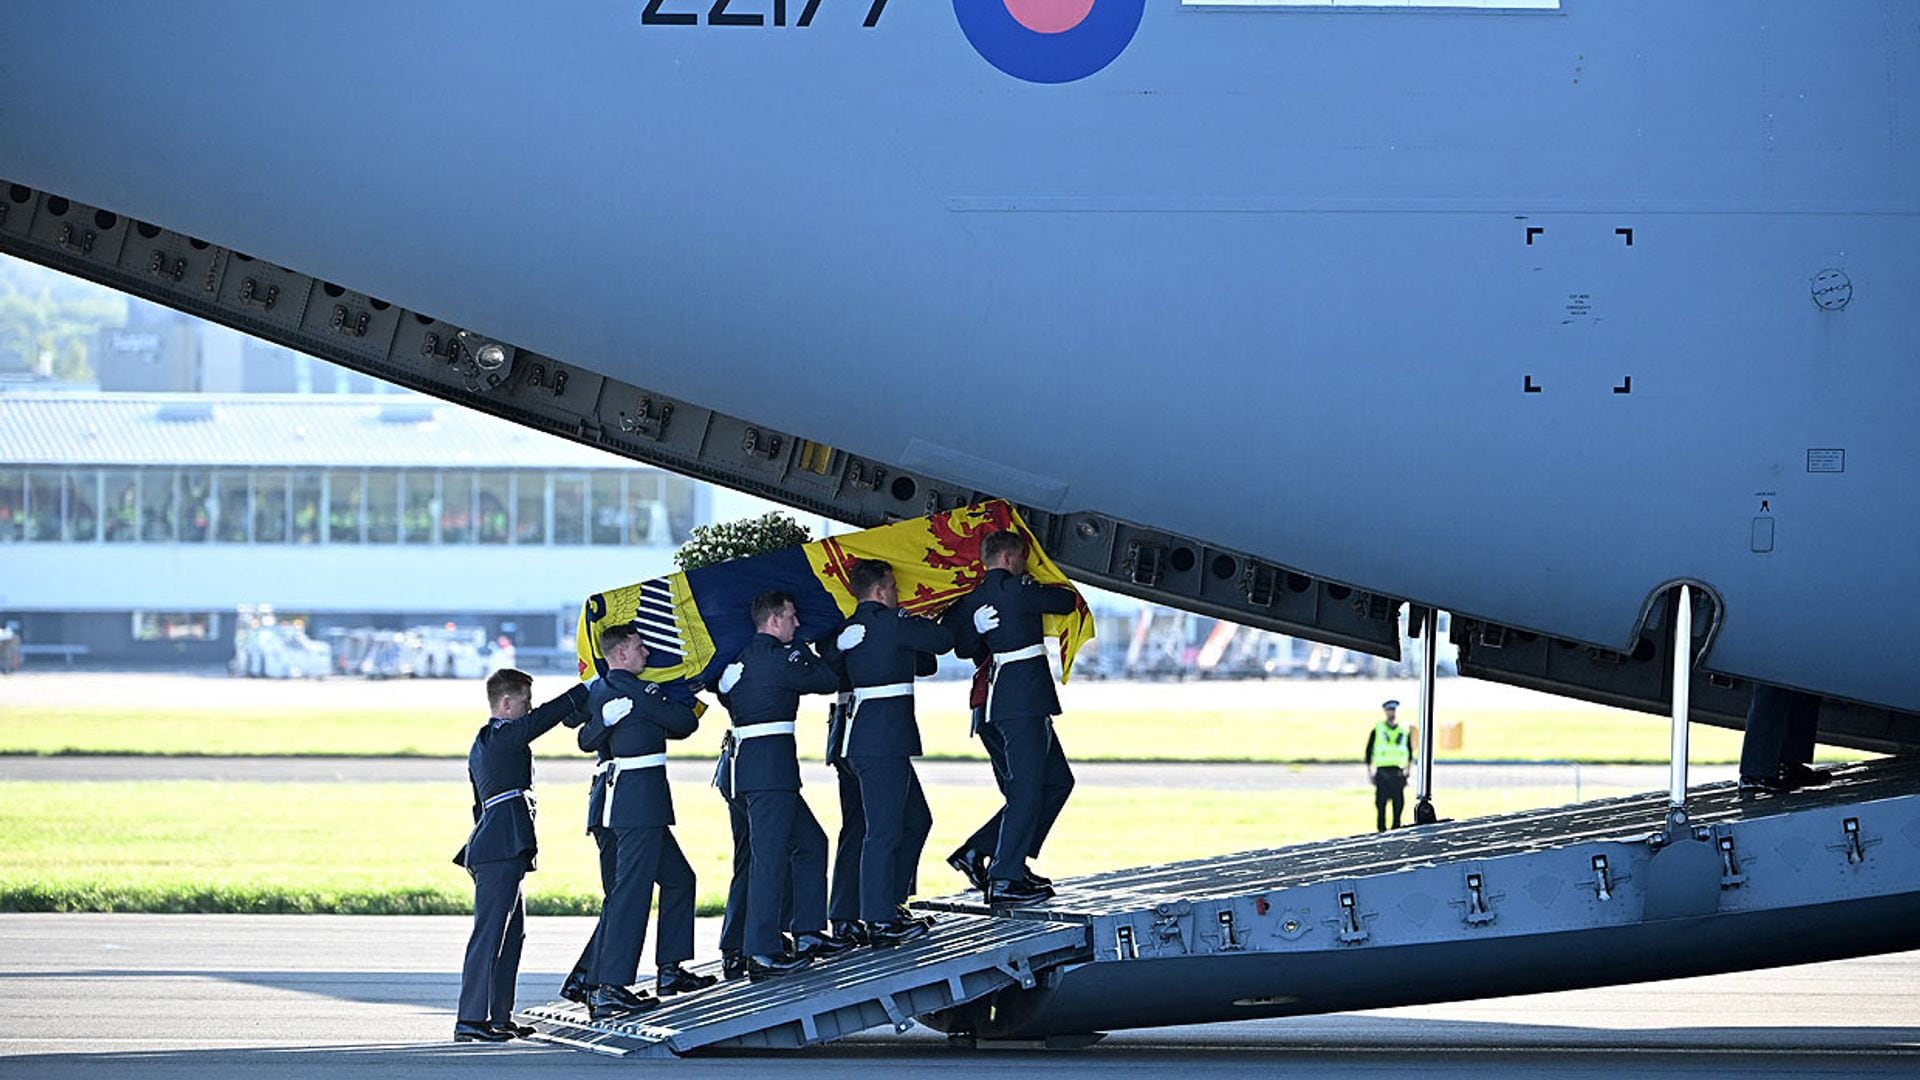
(1049, 41)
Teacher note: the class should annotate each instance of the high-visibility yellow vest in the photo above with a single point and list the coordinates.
(1391, 748)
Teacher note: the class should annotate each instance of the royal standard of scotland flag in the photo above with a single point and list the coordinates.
(695, 623)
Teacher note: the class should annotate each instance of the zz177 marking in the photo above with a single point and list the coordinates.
(721, 15)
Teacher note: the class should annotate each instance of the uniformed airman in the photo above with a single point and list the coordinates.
(633, 718)
(576, 987)
(1003, 622)
(501, 849)
(882, 648)
(787, 865)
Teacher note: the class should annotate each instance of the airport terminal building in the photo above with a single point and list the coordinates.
(132, 526)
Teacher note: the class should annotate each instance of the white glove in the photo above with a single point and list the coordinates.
(851, 637)
(730, 676)
(986, 617)
(614, 711)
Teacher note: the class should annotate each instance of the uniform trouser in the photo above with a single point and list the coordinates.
(1389, 786)
(844, 907)
(609, 862)
(1038, 783)
(646, 854)
(733, 926)
(895, 808)
(493, 951)
(1781, 725)
(1056, 788)
(789, 863)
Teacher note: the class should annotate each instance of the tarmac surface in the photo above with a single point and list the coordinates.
(216, 997)
(1216, 776)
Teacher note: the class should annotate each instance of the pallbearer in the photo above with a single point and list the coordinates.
(633, 719)
(576, 987)
(882, 648)
(1006, 612)
(788, 862)
(500, 850)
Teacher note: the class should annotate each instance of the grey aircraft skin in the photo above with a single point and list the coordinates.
(1356, 290)
(1293, 313)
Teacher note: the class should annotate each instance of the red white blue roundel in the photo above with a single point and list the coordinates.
(1049, 41)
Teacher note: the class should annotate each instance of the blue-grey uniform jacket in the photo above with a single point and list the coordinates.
(890, 655)
(1021, 688)
(500, 769)
(773, 677)
(640, 796)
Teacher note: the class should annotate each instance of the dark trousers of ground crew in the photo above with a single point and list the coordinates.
(1389, 788)
(890, 797)
(1781, 725)
(789, 862)
(1037, 778)
(844, 906)
(1056, 786)
(609, 846)
(493, 951)
(733, 925)
(646, 855)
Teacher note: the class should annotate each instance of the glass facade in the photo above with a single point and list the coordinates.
(343, 506)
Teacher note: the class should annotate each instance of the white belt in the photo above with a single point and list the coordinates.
(761, 731)
(603, 768)
(505, 796)
(1000, 660)
(620, 765)
(868, 693)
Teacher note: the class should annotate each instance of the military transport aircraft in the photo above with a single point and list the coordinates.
(1589, 321)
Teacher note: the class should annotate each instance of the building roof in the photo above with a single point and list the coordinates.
(363, 430)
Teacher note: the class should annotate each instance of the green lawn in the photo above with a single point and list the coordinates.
(384, 848)
(1110, 733)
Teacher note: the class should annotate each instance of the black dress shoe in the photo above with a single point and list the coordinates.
(514, 1031)
(477, 1031)
(772, 967)
(1806, 775)
(819, 946)
(972, 865)
(1038, 881)
(854, 933)
(903, 913)
(1016, 893)
(1752, 784)
(887, 935)
(610, 1002)
(575, 989)
(675, 979)
(733, 966)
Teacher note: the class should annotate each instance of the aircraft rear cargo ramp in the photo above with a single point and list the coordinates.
(1584, 895)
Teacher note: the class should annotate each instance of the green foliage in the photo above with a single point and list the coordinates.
(726, 540)
(44, 313)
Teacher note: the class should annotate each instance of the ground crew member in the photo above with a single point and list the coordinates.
(1006, 610)
(882, 647)
(1389, 752)
(501, 849)
(633, 719)
(576, 987)
(788, 861)
(972, 857)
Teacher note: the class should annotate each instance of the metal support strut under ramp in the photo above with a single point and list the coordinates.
(965, 959)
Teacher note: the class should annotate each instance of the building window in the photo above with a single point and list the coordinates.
(13, 505)
(270, 508)
(647, 511)
(383, 508)
(422, 503)
(681, 498)
(530, 508)
(609, 509)
(169, 626)
(196, 507)
(456, 508)
(230, 509)
(123, 507)
(345, 506)
(494, 498)
(569, 510)
(157, 505)
(303, 500)
(83, 489)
